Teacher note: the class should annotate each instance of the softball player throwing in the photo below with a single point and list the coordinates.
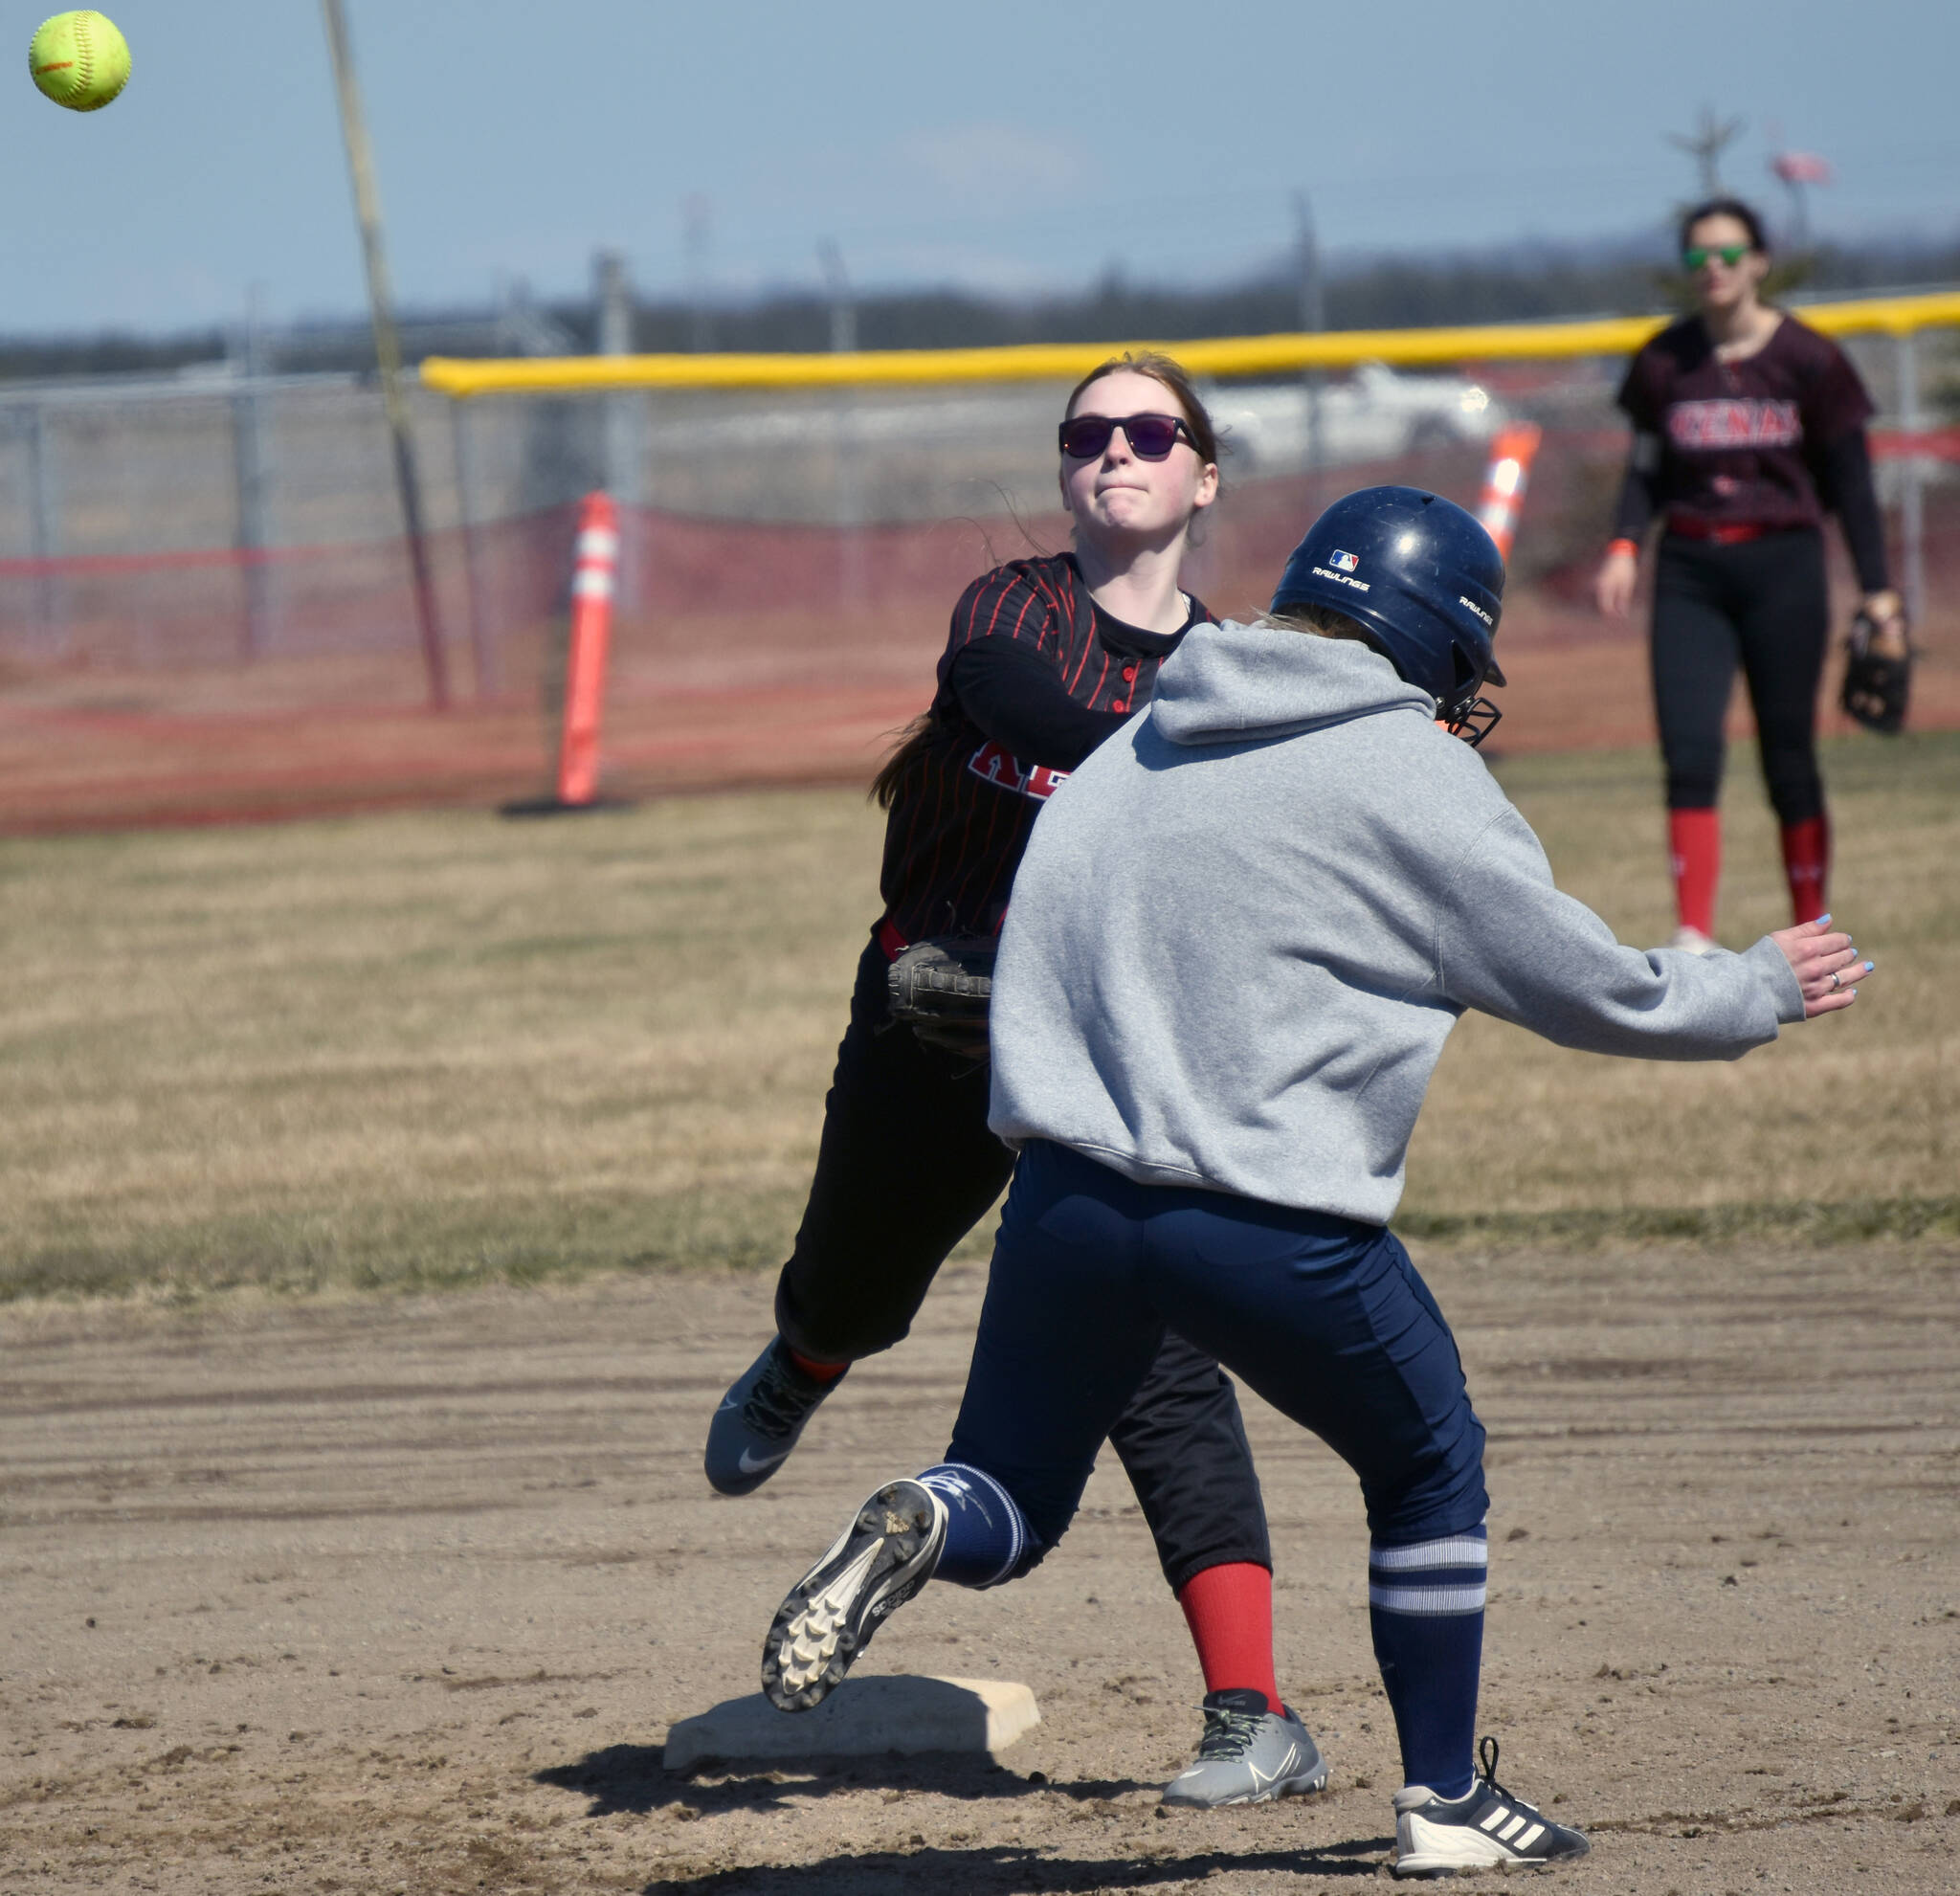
(1747, 425)
(1240, 938)
(1047, 659)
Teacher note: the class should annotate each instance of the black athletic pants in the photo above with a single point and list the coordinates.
(1761, 603)
(905, 1168)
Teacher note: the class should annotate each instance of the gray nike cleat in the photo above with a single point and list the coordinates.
(875, 1565)
(759, 1420)
(1249, 1755)
(1486, 1829)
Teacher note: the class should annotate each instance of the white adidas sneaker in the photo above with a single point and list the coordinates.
(1487, 1829)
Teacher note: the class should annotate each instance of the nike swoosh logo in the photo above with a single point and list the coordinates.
(728, 1402)
(1262, 1778)
(754, 1465)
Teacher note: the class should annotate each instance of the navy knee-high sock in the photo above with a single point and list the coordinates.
(1425, 1608)
(985, 1533)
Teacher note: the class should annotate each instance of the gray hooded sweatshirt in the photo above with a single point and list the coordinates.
(1245, 927)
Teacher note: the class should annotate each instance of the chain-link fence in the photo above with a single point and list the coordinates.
(205, 606)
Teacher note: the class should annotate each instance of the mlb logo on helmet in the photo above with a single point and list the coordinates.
(1345, 562)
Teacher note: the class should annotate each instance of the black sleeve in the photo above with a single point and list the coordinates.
(1639, 498)
(1018, 699)
(1844, 482)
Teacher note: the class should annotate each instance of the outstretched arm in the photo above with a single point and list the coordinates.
(1512, 944)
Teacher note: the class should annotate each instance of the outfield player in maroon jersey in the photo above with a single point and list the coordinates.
(1047, 658)
(1748, 427)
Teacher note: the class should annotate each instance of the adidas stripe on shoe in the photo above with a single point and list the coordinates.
(875, 1565)
(1489, 1829)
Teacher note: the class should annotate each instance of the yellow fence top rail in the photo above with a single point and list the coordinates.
(1063, 362)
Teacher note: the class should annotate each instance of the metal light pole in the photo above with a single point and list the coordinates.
(387, 347)
(1911, 491)
(622, 455)
(1313, 315)
(254, 474)
(850, 570)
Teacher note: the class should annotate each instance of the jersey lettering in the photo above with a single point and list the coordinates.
(998, 767)
(1734, 421)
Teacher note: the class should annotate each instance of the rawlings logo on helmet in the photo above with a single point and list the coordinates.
(1432, 599)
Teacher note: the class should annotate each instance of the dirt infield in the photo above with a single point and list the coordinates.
(401, 1594)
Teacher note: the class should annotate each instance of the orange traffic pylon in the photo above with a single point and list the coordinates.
(1505, 480)
(594, 580)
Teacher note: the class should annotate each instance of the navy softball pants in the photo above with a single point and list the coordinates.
(905, 1168)
(1324, 1316)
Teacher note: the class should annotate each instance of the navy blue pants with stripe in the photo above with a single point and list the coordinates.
(1324, 1316)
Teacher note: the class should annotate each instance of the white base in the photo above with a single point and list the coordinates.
(862, 1718)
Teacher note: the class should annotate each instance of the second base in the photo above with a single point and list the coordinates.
(862, 1718)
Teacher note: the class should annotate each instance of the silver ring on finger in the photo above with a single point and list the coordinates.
(1834, 981)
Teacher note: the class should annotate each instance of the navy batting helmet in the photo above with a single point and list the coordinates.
(1423, 580)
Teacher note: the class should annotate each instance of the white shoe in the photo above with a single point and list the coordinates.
(1490, 1828)
(1692, 941)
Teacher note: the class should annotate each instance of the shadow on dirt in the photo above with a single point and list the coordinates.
(629, 1779)
(1005, 1870)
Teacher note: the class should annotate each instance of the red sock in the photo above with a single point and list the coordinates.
(1229, 1610)
(1807, 864)
(819, 1372)
(1694, 845)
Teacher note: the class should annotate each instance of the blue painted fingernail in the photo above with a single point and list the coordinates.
(1821, 920)
(1869, 966)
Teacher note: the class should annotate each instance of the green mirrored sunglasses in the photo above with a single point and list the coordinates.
(1698, 254)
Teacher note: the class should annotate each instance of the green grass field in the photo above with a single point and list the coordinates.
(437, 1049)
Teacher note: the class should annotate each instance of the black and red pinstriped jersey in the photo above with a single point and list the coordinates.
(967, 803)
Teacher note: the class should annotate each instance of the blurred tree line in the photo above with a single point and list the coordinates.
(1521, 285)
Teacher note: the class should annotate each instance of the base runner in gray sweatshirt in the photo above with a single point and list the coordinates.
(1237, 941)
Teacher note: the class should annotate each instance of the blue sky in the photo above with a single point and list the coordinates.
(1007, 146)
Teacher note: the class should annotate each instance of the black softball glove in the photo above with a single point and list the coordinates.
(940, 988)
(1876, 688)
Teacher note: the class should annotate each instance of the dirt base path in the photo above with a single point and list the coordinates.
(402, 1597)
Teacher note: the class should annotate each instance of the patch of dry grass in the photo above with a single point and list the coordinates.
(1860, 1108)
(439, 1048)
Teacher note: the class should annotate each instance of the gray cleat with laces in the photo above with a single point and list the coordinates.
(1249, 1755)
(759, 1420)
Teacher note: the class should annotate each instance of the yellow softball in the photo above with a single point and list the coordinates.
(80, 61)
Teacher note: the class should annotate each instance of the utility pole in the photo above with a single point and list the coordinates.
(388, 351)
(1313, 314)
(1706, 145)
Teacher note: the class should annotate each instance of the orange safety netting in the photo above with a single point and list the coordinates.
(210, 686)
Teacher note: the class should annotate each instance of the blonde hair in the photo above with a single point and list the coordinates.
(1321, 622)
